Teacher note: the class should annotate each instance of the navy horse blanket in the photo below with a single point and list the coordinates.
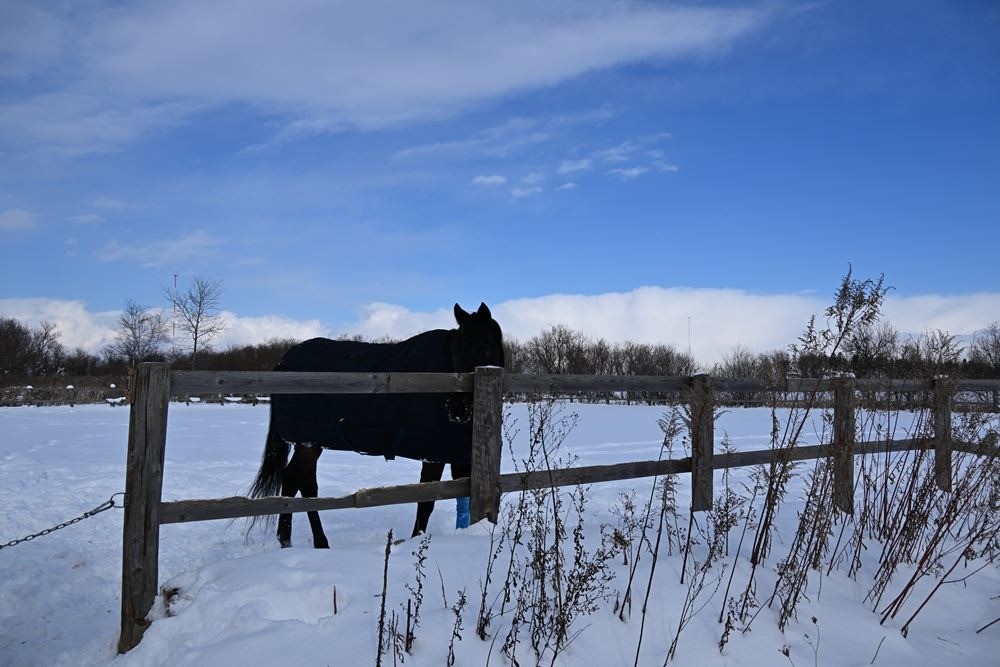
(414, 426)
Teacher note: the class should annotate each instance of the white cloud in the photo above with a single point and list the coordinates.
(489, 180)
(16, 219)
(960, 314)
(111, 203)
(77, 326)
(567, 186)
(124, 68)
(500, 141)
(425, 61)
(509, 138)
(720, 318)
(569, 166)
(660, 315)
(627, 174)
(635, 150)
(520, 193)
(534, 178)
(196, 245)
(70, 123)
(377, 320)
(30, 39)
(620, 153)
(252, 330)
(86, 219)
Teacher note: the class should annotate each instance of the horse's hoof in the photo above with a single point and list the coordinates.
(321, 544)
(285, 543)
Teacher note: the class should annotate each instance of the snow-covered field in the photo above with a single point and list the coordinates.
(243, 601)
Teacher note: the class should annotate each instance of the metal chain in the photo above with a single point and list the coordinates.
(103, 507)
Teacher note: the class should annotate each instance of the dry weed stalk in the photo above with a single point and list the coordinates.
(552, 578)
(856, 305)
(416, 599)
(672, 429)
(382, 647)
(456, 629)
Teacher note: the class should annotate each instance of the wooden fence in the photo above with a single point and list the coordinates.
(154, 383)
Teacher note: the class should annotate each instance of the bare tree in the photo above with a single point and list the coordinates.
(29, 351)
(739, 363)
(48, 351)
(554, 349)
(986, 346)
(15, 346)
(197, 313)
(140, 333)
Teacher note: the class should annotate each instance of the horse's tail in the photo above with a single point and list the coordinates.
(268, 480)
(272, 463)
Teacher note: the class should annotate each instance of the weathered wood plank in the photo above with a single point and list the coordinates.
(235, 507)
(487, 418)
(147, 433)
(944, 393)
(543, 479)
(843, 445)
(892, 384)
(743, 385)
(244, 382)
(988, 446)
(302, 382)
(519, 383)
(977, 385)
(809, 452)
(702, 442)
(183, 511)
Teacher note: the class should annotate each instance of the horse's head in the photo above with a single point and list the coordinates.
(478, 341)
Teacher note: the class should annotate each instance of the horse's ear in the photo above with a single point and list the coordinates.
(460, 315)
(484, 311)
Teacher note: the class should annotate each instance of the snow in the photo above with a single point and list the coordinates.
(240, 600)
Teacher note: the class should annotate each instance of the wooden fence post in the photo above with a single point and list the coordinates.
(147, 435)
(843, 444)
(944, 393)
(702, 442)
(487, 417)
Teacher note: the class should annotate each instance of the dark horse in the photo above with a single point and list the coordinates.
(433, 428)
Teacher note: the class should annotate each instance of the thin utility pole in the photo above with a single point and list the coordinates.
(689, 336)
(173, 319)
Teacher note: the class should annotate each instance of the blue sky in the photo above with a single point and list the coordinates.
(616, 166)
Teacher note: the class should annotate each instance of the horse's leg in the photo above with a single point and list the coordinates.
(291, 480)
(310, 489)
(429, 472)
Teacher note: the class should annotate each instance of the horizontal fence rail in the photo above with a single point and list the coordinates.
(184, 511)
(295, 382)
(154, 383)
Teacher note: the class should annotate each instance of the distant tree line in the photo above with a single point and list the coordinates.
(853, 341)
(560, 350)
(876, 351)
(27, 351)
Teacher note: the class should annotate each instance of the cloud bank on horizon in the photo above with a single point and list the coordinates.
(720, 319)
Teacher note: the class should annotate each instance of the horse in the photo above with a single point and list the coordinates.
(434, 428)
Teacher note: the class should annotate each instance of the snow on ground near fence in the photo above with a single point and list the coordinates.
(246, 602)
